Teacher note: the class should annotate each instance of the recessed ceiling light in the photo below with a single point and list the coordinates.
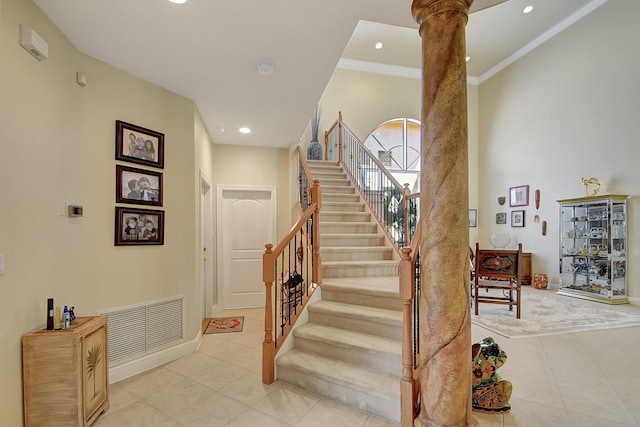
(379, 45)
(468, 58)
(527, 9)
(178, 1)
(244, 130)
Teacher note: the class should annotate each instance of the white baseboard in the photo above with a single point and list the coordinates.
(150, 361)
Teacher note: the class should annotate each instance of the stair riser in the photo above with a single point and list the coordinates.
(341, 228)
(380, 362)
(339, 198)
(368, 326)
(329, 175)
(387, 303)
(358, 271)
(342, 189)
(341, 240)
(342, 206)
(333, 182)
(383, 254)
(385, 408)
(344, 216)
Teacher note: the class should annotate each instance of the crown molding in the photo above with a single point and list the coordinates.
(551, 32)
(416, 73)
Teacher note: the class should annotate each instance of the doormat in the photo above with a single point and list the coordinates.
(223, 325)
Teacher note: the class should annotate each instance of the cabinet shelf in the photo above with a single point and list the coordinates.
(595, 225)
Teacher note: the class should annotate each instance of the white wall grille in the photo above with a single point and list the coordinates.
(138, 330)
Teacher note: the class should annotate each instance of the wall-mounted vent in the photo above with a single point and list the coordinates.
(138, 330)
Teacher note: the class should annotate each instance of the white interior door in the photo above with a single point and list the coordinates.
(246, 222)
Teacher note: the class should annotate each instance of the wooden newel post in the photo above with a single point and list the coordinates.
(317, 259)
(407, 384)
(268, 346)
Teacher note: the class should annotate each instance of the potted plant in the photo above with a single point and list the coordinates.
(314, 151)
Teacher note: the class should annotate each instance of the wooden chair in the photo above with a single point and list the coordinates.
(501, 270)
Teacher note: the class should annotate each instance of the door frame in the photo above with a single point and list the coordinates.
(220, 188)
(206, 256)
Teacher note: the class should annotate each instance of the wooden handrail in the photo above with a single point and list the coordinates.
(305, 165)
(272, 342)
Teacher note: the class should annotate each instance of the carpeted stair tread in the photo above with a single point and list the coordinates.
(342, 373)
(356, 235)
(344, 338)
(376, 286)
(354, 248)
(351, 311)
(375, 263)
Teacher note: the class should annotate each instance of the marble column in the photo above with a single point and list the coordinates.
(445, 327)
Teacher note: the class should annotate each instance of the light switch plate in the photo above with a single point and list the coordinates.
(1, 264)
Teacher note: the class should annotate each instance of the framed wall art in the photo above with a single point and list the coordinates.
(501, 218)
(138, 186)
(519, 196)
(517, 218)
(473, 217)
(139, 227)
(136, 144)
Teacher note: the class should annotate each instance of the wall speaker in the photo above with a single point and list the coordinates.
(33, 43)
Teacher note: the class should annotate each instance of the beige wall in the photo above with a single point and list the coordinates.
(56, 145)
(567, 110)
(368, 99)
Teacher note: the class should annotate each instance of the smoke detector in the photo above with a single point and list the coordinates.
(265, 68)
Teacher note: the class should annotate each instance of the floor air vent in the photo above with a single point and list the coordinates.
(138, 330)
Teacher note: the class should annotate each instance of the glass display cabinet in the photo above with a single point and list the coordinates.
(593, 248)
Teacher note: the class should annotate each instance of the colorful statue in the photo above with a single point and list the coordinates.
(490, 392)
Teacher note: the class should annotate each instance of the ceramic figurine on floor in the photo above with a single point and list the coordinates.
(490, 393)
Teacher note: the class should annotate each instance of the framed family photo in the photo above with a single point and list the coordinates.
(519, 196)
(138, 186)
(136, 144)
(517, 218)
(501, 218)
(139, 227)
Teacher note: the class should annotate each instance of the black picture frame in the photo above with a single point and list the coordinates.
(130, 232)
(138, 186)
(517, 218)
(136, 144)
(501, 218)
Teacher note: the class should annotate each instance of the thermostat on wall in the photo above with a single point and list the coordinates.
(74, 210)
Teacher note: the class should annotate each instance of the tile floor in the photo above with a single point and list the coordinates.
(586, 379)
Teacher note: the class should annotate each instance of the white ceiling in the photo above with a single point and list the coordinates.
(209, 50)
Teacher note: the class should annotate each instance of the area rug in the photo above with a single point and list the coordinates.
(546, 313)
(223, 325)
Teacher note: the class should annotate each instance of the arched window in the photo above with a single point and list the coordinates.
(396, 143)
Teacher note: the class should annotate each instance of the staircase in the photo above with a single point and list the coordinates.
(350, 350)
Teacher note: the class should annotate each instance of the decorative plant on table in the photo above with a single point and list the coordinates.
(314, 152)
